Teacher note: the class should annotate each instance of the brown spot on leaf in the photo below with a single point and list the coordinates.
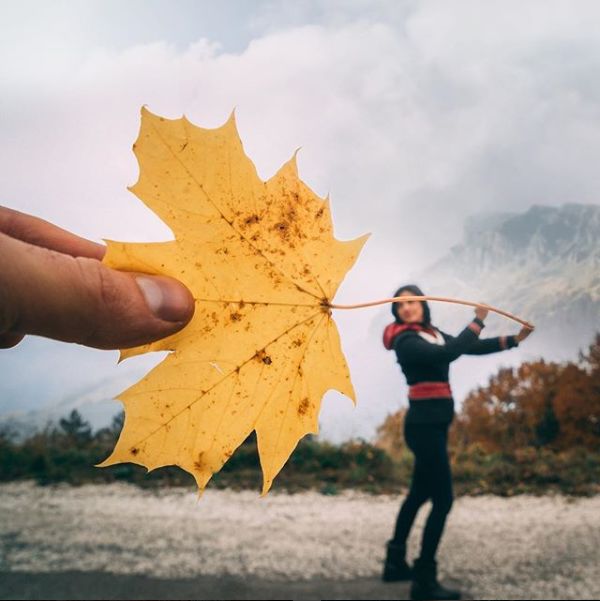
(199, 463)
(291, 213)
(283, 229)
(262, 356)
(303, 406)
(252, 219)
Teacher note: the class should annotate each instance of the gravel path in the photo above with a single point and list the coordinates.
(525, 547)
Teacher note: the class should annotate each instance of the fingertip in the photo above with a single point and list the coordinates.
(167, 298)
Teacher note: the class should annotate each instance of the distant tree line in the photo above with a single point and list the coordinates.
(67, 452)
(531, 429)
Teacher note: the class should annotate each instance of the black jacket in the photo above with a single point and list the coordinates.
(424, 361)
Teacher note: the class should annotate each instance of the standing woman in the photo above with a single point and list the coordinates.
(424, 353)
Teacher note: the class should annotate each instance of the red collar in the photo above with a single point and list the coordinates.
(393, 329)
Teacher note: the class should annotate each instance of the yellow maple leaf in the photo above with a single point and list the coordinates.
(263, 265)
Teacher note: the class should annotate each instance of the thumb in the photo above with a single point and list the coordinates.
(78, 299)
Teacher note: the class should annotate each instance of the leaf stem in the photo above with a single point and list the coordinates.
(436, 298)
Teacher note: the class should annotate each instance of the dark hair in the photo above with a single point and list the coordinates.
(415, 290)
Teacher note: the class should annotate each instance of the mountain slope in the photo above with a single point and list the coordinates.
(543, 265)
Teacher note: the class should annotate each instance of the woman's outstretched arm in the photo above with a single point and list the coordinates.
(486, 346)
(412, 348)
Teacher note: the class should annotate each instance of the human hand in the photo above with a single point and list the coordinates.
(525, 331)
(481, 312)
(53, 284)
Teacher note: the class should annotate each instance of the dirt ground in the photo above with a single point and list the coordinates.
(121, 542)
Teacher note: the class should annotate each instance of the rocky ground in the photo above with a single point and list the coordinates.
(120, 541)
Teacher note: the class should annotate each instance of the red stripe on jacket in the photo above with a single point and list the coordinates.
(426, 390)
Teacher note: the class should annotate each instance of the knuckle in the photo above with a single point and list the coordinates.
(99, 283)
(102, 294)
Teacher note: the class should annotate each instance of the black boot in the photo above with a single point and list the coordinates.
(395, 567)
(425, 584)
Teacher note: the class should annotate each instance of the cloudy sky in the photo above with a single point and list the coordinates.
(411, 115)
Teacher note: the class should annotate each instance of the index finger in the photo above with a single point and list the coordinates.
(40, 232)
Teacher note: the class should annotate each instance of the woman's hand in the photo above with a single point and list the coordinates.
(481, 312)
(525, 331)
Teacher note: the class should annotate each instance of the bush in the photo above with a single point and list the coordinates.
(69, 453)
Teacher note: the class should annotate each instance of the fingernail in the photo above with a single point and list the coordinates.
(167, 300)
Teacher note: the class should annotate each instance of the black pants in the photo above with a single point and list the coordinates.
(431, 479)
